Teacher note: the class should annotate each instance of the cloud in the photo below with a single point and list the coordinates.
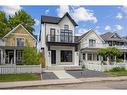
(10, 10)
(82, 14)
(81, 31)
(62, 10)
(107, 27)
(77, 12)
(37, 22)
(119, 16)
(47, 11)
(118, 27)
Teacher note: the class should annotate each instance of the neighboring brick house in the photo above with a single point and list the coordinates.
(13, 42)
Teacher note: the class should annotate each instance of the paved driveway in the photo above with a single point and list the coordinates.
(87, 73)
(74, 74)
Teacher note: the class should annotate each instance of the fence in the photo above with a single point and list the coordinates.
(13, 69)
(99, 67)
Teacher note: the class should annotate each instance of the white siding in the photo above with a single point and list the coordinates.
(92, 35)
(2, 43)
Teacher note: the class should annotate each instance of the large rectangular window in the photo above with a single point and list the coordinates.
(20, 42)
(66, 36)
(66, 56)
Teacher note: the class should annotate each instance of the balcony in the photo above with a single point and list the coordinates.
(96, 45)
(60, 38)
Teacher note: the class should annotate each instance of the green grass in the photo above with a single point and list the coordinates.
(117, 73)
(19, 77)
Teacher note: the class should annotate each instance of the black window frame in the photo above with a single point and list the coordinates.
(66, 27)
(66, 56)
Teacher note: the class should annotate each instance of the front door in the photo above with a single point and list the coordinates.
(53, 56)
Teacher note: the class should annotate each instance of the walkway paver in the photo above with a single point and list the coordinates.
(62, 74)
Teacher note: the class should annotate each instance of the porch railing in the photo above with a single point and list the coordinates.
(96, 45)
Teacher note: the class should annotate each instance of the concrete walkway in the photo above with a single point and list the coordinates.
(7, 85)
(62, 74)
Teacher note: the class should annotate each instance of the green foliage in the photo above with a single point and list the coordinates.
(31, 56)
(21, 17)
(117, 69)
(83, 67)
(103, 63)
(109, 52)
(119, 60)
(3, 24)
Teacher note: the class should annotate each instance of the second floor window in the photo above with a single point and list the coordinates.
(92, 42)
(20, 42)
(66, 27)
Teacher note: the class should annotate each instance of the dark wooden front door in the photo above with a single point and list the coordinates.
(53, 56)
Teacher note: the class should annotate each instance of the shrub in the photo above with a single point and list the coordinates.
(83, 67)
(103, 63)
(31, 56)
(116, 69)
(119, 60)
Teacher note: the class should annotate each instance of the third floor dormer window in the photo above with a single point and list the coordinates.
(20, 41)
(66, 27)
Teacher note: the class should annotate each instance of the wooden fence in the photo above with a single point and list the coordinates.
(13, 69)
(99, 67)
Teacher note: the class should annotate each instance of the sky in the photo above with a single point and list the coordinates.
(100, 18)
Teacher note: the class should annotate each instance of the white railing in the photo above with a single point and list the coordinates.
(12, 69)
(121, 46)
(99, 67)
(96, 45)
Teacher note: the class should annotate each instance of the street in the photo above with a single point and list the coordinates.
(90, 85)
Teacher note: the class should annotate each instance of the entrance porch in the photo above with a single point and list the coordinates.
(11, 56)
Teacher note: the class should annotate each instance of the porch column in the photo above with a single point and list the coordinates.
(4, 56)
(107, 61)
(124, 57)
(99, 58)
(115, 59)
(14, 56)
(1, 57)
(92, 56)
(86, 56)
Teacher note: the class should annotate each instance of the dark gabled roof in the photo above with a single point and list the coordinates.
(109, 37)
(50, 19)
(56, 20)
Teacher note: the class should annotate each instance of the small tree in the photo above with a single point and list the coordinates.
(109, 52)
(31, 56)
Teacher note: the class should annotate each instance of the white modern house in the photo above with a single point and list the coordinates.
(62, 48)
(58, 41)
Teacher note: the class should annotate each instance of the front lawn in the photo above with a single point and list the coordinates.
(117, 73)
(19, 77)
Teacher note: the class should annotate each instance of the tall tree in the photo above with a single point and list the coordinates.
(21, 17)
(4, 28)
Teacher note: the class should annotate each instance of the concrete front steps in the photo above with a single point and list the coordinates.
(63, 68)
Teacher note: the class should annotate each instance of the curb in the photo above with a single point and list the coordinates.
(20, 84)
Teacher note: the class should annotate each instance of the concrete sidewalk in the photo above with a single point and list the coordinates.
(7, 85)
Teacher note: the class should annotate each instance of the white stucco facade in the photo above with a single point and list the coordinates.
(45, 27)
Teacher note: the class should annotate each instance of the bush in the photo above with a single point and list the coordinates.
(116, 69)
(103, 63)
(83, 67)
(31, 56)
(119, 60)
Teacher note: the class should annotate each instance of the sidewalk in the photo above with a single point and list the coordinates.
(7, 85)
